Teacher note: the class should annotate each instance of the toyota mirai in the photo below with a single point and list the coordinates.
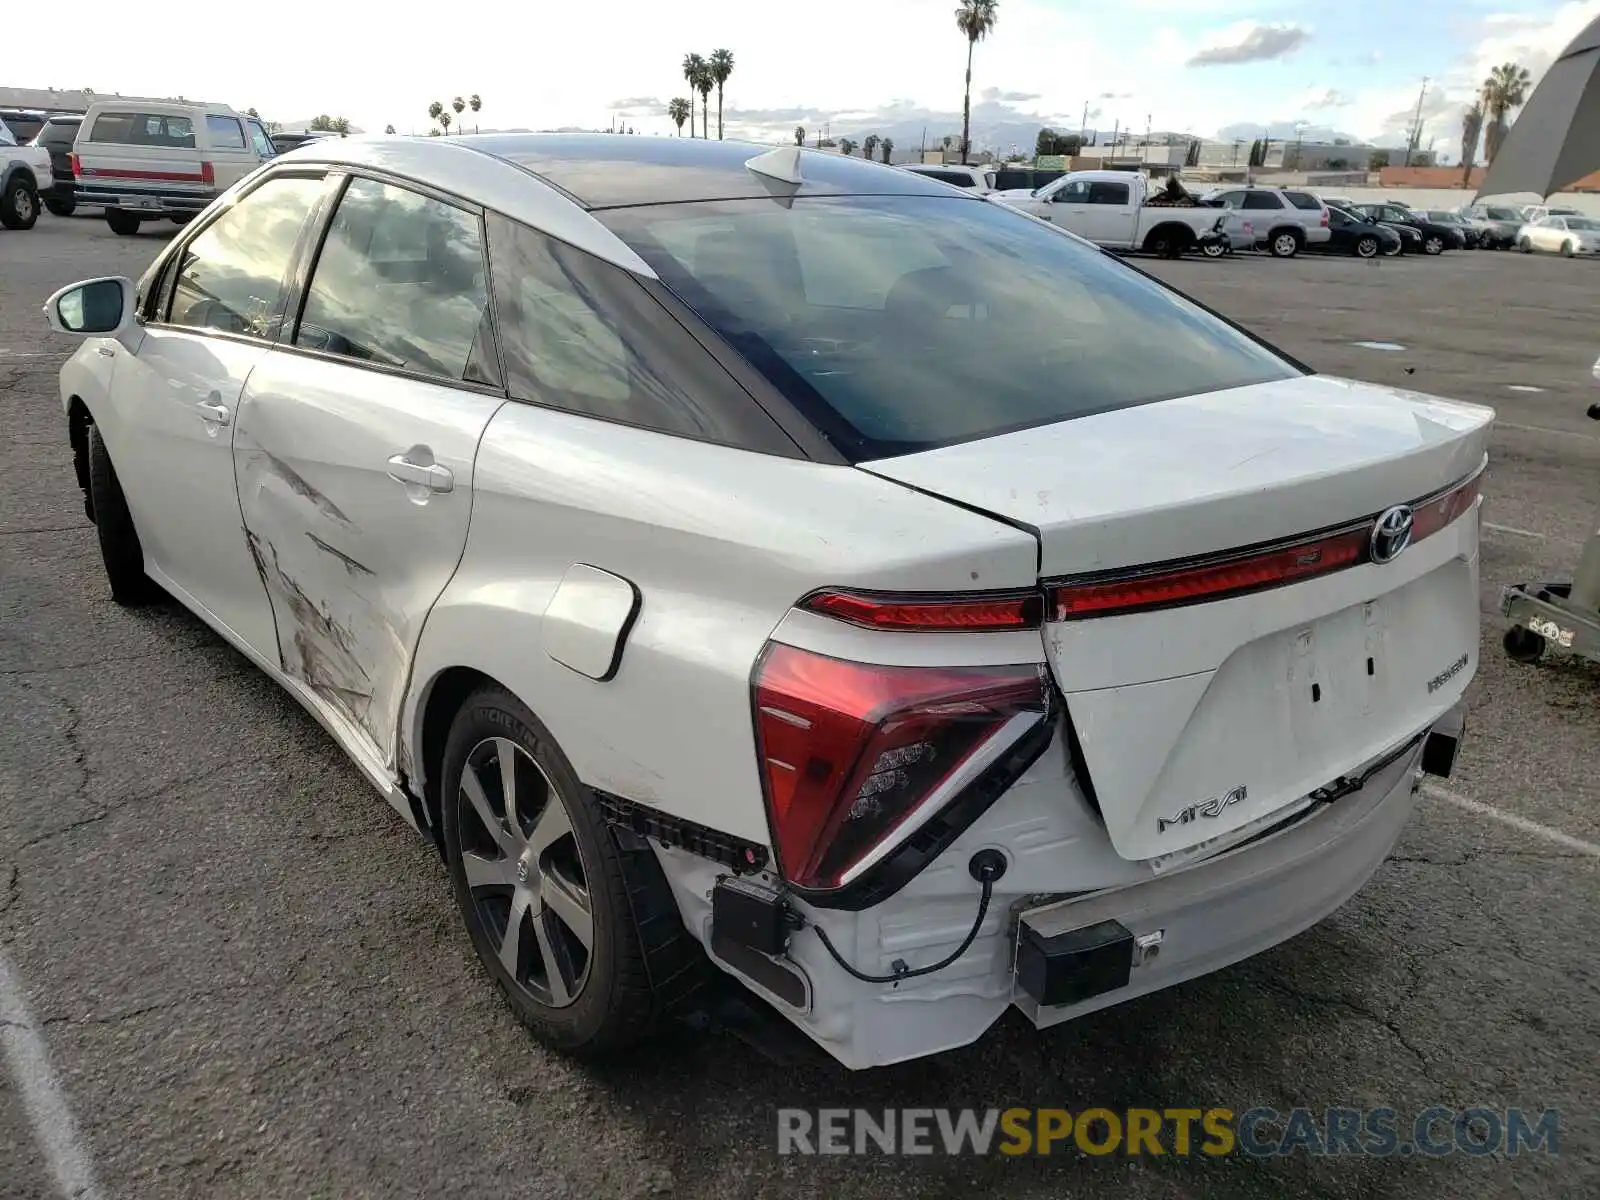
(766, 564)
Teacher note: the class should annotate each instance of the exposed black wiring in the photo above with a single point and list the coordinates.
(903, 971)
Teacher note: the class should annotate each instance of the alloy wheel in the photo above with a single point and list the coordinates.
(24, 204)
(525, 872)
(1434, 245)
(1367, 247)
(1284, 245)
(1214, 250)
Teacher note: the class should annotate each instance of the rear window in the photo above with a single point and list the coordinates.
(898, 324)
(144, 129)
(1304, 200)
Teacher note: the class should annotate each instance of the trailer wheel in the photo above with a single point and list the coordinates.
(1523, 645)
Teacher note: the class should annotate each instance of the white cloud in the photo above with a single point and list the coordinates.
(1248, 42)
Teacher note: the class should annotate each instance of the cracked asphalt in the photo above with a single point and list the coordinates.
(252, 983)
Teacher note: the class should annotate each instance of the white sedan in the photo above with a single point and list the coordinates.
(647, 520)
(1570, 236)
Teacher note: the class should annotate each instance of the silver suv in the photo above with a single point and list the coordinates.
(1285, 218)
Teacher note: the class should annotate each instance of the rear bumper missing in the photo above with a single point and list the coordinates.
(1079, 955)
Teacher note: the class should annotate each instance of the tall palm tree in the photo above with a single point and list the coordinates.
(693, 68)
(975, 19)
(444, 119)
(799, 135)
(434, 110)
(474, 103)
(680, 110)
(703, 84)
(887, 146)
(869, 145)
(1505, 89)
(721, 65)
(460, 106)
(1471, 130)
(846, 147)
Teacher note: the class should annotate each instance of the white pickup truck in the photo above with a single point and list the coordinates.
(24, 174)
(1113, 209)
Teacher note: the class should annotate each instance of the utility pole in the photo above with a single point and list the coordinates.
(1083, 125)
(1416, 124)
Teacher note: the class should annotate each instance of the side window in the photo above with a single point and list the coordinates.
(1261, 200)
(1076, 192)
(400, 283)
(231, 275)
(958, 178)
(1304, 200)
(112, 127)
(1108, 193)
(260, 140)
(224, 132)
(582, 335)
(1231, 199)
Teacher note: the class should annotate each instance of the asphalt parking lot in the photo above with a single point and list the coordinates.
(250, 979)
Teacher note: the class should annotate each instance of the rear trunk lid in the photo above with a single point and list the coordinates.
(1224, 634)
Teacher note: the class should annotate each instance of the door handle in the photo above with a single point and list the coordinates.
(213, 413)
(429, 475)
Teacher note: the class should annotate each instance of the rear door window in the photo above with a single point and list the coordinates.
(1259, 200)
(400, 282)
(1108, 193)
(224, 133)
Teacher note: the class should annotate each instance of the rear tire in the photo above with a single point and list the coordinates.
(122, 224)
(19, 204)
(1525, 246)
(61, 208)
(1567, 250)
(551, 859)
(1215, 249)
(1285, 244)
(113, 523)
(1367, 247)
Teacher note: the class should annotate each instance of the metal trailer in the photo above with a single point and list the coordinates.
(1564, 613)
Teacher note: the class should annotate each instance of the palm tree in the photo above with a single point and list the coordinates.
(1505, 89)
(975, 19)
(680, 110)
(846, 147)
(434, 110)
(389, 129)
(1471, 129)
(869, 146)
(460, 106)
(799, 135)
(721, 64)
(475, 103)
(444, 119)
(703, 85)
(887, 146)
(693, 68)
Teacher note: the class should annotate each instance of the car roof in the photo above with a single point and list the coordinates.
(599, 171)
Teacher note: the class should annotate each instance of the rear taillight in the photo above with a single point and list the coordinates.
(1324, 218)
(855, 757)
(1433, 515)
(876, 610)
(208, 174)
(74, 164)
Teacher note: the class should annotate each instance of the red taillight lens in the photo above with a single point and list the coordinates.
(849, 751)
(1442, 510)
(208, 174)
(1212, 580)
(1324, 218)
(929, 614)
(72, 162)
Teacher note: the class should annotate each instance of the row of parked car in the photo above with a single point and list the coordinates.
(138, 161)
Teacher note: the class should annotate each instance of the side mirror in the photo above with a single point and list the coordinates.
(92, 308)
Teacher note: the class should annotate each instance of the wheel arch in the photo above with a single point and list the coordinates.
(78, 422)
(16, 170)
(1290, 228)
(438, 702)
(1178, 231)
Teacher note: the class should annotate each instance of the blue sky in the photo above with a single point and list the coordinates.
(852, 65)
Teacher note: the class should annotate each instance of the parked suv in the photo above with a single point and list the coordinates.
(144, 160)
(1285, 219)
(974, 179)
(24, 175)
(57, 136)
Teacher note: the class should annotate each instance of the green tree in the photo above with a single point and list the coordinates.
(799, 135)
(1505, 89)
(475, 103)
(1258, 153)
(1471, 131)
(460, 105)
(703, 85)
(887, 147)
(694, 70)
(1378, 161)
(323, 123)
(435, 110)
(389, 129)
(975, 19)
(721, 66)
(680, 110)
(444, 119)
(869, 147)
(846, 146)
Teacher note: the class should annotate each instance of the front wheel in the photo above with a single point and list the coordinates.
(1525, 245)
(122, 224)
(1567, 249)
(1366, 247)
(544, 884)
(1214, 249)
(19, 205)
(1285, 245)
(113, 523)
(1433, 244)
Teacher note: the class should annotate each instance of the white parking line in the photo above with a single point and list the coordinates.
(1481, 809)
(1513, 529)
(41, 1091)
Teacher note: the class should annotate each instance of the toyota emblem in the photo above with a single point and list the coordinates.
(1392, 533)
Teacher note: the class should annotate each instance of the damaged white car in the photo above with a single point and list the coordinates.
(775, 564)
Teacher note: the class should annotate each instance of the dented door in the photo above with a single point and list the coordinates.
(354, 550)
